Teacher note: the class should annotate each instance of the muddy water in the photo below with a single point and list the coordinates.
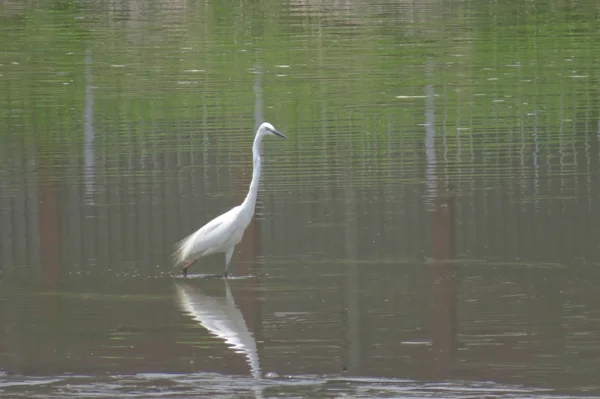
(429, 230)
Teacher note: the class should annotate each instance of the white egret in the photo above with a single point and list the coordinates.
(224, 232)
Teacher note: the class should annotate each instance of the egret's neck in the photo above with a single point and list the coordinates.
(250, 200)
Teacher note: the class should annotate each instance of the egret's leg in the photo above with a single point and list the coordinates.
(228, 256)
(187, 266)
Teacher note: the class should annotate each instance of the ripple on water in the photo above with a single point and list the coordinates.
(228, 386)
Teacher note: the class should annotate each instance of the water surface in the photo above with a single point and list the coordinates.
(429, 230)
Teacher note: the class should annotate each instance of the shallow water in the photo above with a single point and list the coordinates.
(212, 385)
(429, 230)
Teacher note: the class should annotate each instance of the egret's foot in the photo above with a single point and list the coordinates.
(225, 275)
(186, 267)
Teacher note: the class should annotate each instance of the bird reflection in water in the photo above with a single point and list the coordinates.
(221, 317)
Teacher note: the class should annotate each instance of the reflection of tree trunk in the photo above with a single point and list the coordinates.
(444, 247)
(443, 289)
(49, 231)
(352, 275)
(444, 326)
(49, 228)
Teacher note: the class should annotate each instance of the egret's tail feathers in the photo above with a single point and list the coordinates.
(182, 250)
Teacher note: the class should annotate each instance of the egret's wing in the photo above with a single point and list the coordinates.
(213, 224)
(216, 232)
(209, 238)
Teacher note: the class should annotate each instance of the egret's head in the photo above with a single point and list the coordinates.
(268, 129)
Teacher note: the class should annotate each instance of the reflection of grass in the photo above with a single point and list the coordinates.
(353, 83)
(42, 71)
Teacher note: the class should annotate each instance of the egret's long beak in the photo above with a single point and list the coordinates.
(277, 133)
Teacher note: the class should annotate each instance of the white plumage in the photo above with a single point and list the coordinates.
(224, 232)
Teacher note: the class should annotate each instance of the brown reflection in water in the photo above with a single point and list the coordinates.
(45, 347)
(443, 284)
(50, 236)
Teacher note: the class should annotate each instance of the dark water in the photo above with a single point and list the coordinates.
(429, 230)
